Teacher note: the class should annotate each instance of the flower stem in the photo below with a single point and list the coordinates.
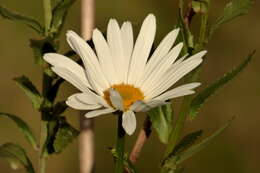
(47, 15)
(120, 146)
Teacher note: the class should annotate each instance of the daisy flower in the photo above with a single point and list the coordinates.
(118, 76)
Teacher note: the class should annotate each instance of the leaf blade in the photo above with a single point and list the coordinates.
(233, 9)
(161, 118)
(32, 23)
(172, 161)
(24, 128)
(15, 155)
(30, 90)
(200, 99)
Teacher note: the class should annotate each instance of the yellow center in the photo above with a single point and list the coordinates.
(129, 94)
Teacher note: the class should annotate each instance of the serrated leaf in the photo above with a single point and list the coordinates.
(25, 129)
(161, 118)
(59, 135)
(64, 136)
(59, 14)
(35, 25)
(16, 156)
(30, 90)
(127, 163)
(233, 9)
(172, 161)
(199, 99)
(42, 46)
(187, 141)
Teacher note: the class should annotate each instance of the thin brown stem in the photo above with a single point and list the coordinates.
(189, 14)
(141, 140)
(86, 138)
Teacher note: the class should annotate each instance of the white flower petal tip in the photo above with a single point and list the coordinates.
(129, 122)
(99, 112)
(116, 99)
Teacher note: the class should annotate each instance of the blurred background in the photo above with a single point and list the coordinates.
(236, 150)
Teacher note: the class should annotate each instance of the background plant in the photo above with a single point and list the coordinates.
(44, 102)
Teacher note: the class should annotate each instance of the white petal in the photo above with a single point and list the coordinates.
(114, 39)
(179, 91)
(116, 99)
(75, 103)
(96, 113)
(159, 71)
(58, 60)
(142, 49)
(138, 106)
(94, 72)
(128, 43)
(141, 106)
(72, 78)
(174, 74)
(91, 98)
(129, 122)
(105, 58)
(159, 53)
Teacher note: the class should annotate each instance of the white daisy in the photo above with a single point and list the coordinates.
(119, 76)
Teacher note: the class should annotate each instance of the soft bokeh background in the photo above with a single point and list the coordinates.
(237, 150)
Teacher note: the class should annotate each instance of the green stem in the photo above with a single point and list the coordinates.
(47, 15)
(179, 126)
(42, 158)
(120, 146)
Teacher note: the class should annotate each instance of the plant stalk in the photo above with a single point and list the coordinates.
(47, 15)
(120, 146)
(86, 138)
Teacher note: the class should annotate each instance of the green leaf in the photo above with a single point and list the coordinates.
(25, 129)
(64, 136)
(172, 161)
(161, 118)
(199, 99)
(30, 90)
(42, 46)
(16, 156)
(127, 163)
(199, 6)
(59, 14)
(187, 141)
(59, 108)
(233, 9)
(185, 35)
(60, 134)
(5, 13)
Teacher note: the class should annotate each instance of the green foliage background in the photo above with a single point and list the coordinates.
(234, 151)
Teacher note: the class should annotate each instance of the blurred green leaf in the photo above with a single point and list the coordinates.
(24, 128)
(35, 25)
(64, 136)
(60, 134)
(42, 46)
(127, 163)
(30, 90)
(59, 108)
(187, 141)
(233, 9)
(172, 161)
(199, 99)
(185, 35)
(161, 118)
(16, 156)
(199, 6)
(59, 14)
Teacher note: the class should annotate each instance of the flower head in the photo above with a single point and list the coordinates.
(119, 76)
